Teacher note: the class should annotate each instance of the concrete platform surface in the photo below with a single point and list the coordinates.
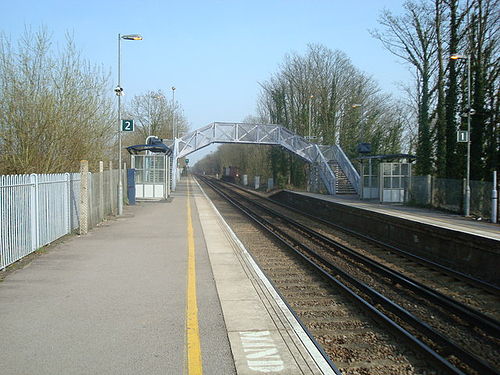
(114, 301)
(264, 335)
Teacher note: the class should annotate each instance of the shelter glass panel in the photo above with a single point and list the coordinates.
(405, 169)
(387, 168)
(387, 183)
(396, 169)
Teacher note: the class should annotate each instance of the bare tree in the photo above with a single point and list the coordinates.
(54, 110)
(155, 115)
(318, 91)
(426, 36)
(412, 37)
(483, 47)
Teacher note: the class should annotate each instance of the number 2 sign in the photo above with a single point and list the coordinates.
(127, 125)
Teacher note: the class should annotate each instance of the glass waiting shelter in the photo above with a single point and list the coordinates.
(152, 170)
(385, 177)
(151, 176)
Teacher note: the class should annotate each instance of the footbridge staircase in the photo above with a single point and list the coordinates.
(330, 163)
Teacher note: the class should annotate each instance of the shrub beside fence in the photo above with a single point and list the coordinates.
(448, 194)
(37, 209)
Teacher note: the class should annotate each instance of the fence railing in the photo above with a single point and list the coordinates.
(37, 209)
(448, 194)
(336, 153)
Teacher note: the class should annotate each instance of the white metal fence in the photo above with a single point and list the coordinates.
(36, 209)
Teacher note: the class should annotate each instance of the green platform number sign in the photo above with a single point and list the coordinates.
(462, 136)
(187, 161)
(127, 125)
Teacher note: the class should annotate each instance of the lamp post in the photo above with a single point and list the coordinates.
(360, 137)
(174, 130)
(360, 131)
(119, 93)
(157, 112)
(310, 115)
(456, 56)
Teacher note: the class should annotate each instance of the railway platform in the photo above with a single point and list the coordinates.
(167, 288)
(461, 245)
(421, 215)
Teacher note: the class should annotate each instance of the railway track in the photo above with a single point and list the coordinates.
(453, 336)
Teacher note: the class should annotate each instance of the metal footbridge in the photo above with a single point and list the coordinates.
(319, 156)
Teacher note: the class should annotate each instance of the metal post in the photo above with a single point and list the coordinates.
(111, 210)
(310, 115)
(124, 177)
(361, 120)
(67, 184)
(101, 191)
(467, 182)
(167, 176)
(120, 184)
(456, 56)
(174, 165)
(429, 189)
(381, 182)
(174, 125)
(494, 199)
(35, 223)
(370, 178)
(84, 198)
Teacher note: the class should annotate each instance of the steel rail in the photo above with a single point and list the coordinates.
(491, 288)
(309, 334)
(444, 363)
(421, 326)
(463, 311)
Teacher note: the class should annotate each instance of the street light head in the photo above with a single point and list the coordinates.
(356, 105)
(119, 91)
(457, 56)
(132, 37)
(173, 88)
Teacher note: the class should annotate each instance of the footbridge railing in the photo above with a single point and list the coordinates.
(222, 132)
(335, 153)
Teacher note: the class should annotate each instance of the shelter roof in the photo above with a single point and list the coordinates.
(155, 148)
(387, 157)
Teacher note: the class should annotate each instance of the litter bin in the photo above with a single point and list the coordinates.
(131, 186)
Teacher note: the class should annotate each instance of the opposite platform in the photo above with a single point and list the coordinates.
(421, 215)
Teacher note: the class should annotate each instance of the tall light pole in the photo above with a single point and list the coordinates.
(360, 106)
(469, 113)
(174, 130)
(310, 115)
(157, 109)
(119, 93)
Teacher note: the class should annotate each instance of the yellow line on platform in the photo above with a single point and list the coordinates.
(192, 329)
